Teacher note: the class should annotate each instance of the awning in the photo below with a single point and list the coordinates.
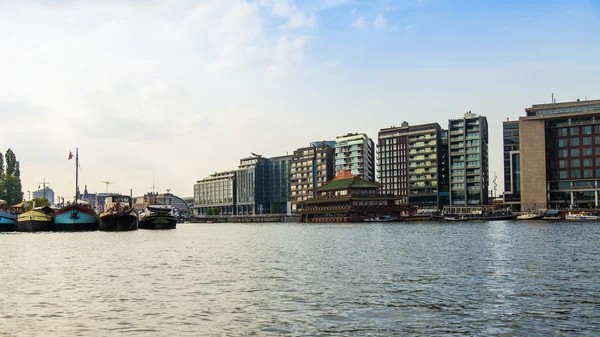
(552, 212)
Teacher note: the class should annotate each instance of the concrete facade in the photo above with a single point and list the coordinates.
(533, 163)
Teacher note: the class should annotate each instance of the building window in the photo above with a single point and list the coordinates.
(563, 153)
(563, 174)
(587, 151)
(587, 173)
(575, 174)
(564, 132)
(562, 142)
(574, 152)
(574, 141)
(587, 162)
(575, 131)
(575, 163)
(563, 163)
(587, 130)
(587, 140)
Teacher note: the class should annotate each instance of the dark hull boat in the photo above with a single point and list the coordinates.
(118, 214)
(158, 214)
(158, 221)
(118, 222)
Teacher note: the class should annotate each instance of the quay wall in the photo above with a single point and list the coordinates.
(246, 218)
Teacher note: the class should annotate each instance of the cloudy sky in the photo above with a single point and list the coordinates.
(166, 92)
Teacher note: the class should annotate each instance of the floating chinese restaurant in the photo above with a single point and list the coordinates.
(348, 198)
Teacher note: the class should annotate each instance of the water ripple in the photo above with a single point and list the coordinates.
(484, 279)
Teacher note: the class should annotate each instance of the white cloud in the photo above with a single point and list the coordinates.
(353, 11)
(118, 78)
(359, 23)
(381, 23)
(296, 19)
(409, 27)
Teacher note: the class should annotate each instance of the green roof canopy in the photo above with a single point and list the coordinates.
(348, 183)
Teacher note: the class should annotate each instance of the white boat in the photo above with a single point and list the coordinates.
(529, 216)
(582, 216)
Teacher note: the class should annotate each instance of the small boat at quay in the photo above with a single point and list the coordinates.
(76, 216)
(529, 216)
(451, 217)
(158, 217)
(385, 218)
(118, 214)
(552, 214)
(582, 216)
(36, 220)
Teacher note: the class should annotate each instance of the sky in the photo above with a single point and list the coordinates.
(163, 93)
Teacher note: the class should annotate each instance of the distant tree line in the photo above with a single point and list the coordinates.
(10, 179)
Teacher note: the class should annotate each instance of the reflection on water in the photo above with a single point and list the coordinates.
(496, 278)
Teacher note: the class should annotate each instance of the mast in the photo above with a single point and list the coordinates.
(76, 173)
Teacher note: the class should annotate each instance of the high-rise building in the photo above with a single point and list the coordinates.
(310, 168)
(469, 166)
(355, 152)
(560, 155)
(277, 181)
(216, 192)
(47, 193)
(512, 170)
(251, 195)
(412, 163)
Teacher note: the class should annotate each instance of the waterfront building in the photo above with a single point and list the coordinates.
(310, 168)
(349, 198)
(512, 170)
(560, 155)
(324, 142)
(42, 193)
(355, 152)
(216, 194)
(468, 160)
(277, 181)
(413, 165)
(251, 195)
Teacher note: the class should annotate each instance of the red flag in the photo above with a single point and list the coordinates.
(70, 155)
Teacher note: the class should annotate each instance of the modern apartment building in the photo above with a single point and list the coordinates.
(277, 181)
(310, 168)
(412, 163)
(47, 193)
(512, 169)
(216, 192)
(355, 152)
(560, 155)
(251, 195)
(468, 160)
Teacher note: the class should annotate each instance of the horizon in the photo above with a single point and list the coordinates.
(167, 93)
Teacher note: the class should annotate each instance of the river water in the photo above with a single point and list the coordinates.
(376, 279)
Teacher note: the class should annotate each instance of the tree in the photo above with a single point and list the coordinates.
(39, 202)
(10, 179)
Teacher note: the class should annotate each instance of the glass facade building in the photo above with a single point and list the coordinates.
(277, 181)
(216, 192)
(512, 169)
(469, 166)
